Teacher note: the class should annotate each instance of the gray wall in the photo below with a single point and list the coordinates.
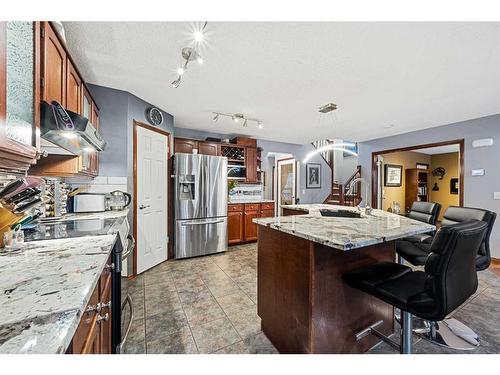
(118, 111)
(478, 191)
(113, 124)
(298, 151)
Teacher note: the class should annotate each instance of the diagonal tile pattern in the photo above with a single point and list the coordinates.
(198, 305)
(208, 305)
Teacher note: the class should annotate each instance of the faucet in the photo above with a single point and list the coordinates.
(368, 208)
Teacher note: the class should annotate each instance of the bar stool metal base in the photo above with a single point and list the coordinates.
(449, 333)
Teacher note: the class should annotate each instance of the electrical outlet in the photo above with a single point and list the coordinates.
(496, 195)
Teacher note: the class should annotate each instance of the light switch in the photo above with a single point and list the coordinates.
(477, 172)
(496, 195)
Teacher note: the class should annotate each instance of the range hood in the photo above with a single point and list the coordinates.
(69, 130)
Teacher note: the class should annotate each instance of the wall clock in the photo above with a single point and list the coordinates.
(154, 116)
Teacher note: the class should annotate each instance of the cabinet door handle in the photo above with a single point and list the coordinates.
(101, 318)
(109, 267)
(141, 207)
(102, 305)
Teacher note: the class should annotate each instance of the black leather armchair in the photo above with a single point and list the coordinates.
(448, 280)
(416, 252)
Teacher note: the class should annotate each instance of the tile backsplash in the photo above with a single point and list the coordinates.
(102, 184)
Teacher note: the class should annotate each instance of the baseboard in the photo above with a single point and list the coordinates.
(495, 261)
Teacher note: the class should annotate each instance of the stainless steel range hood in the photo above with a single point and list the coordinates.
(69, 130)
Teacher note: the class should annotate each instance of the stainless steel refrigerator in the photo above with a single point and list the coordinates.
(200, 205)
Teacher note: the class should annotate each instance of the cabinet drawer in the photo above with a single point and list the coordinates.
(267, 206)
(252, 207)
(235, 207)
(86, 323)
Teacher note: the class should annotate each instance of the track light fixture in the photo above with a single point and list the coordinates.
(190, 54)
(237, 117)
(176, 83)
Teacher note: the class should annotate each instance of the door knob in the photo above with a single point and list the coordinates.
(141, 207)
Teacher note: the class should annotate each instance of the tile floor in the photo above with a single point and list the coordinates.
(208, 305)
(198, 305)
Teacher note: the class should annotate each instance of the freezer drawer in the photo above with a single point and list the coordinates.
(200, 237)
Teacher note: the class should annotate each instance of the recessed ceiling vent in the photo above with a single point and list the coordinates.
(327, 108)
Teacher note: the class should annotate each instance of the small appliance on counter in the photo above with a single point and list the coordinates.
(119, 200)
(89, 202)
(99, 202)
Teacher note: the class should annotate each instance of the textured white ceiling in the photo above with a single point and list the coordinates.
(386, 78)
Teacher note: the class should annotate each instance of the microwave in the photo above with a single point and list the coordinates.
(236, 172)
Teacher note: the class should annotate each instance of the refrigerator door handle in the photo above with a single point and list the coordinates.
(202, 223)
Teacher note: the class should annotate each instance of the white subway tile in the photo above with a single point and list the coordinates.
(117, 180)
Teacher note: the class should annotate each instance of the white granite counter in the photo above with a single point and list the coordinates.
(45, 286)
(242, 201)
(345, 233)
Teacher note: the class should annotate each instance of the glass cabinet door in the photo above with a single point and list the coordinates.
(20, 117)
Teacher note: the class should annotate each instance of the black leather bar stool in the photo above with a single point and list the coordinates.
(426, 212)
(453, 331)
(416, 252)
(448, 280)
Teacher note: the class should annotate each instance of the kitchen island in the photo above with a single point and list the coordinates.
(304, 304)
(47, 284)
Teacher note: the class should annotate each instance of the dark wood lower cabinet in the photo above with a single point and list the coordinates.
(234, 227)
(93, 335)
(250, 227)
(240, 226)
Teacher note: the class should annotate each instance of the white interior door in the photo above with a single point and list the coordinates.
(286, 183)
(152, 198)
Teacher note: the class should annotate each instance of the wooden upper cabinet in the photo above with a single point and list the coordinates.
(251, 164)
(86, 104)
(73, 89)
(94, 118)
(185, 145)
(208, 148)
(53, 66)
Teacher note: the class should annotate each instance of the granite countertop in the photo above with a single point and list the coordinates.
(46, 285)
(345, 233)
(242, 201)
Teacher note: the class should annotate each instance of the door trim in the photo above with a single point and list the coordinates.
(277, 203)
(137, 124)
(461, 144)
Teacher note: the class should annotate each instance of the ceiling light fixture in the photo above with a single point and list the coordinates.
(333, 146)
(329, 107)
(176, 83)
(236, 117)
(190, 54)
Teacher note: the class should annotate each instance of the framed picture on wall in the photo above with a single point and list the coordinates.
(393, 175)
(454, 186)
(313, 176)
(422, 166)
